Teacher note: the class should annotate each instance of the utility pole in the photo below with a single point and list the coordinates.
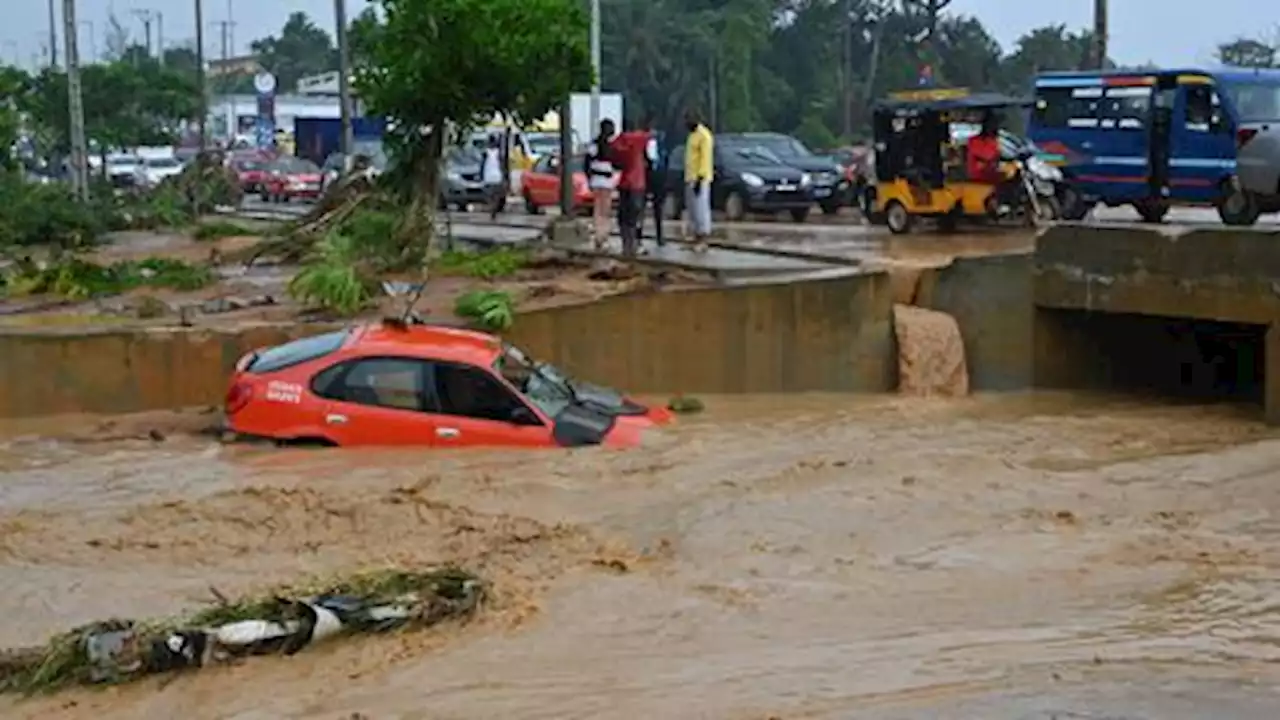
(204, 90)
(75, 103)
(146, 17)
(160, 37)
(231, 33)
(595, 66)
(344, 81)
(53, 36)
(846, 67)
(1099, 34)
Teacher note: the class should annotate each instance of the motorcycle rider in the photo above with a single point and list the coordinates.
(982, 164)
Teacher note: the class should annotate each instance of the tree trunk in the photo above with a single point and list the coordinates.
(418, 230)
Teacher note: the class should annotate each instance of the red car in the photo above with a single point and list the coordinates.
(540, 185)
(251, 171)
(415, 384)
(289, 178)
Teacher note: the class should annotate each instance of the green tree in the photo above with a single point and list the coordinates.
(1243, 52)
(14, 85)
(430, 66)
(301, 49)
(1052, 47)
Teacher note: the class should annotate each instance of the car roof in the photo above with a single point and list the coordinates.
(435, 342)
(1228, 73)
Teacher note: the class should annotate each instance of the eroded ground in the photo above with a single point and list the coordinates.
(1019, 557)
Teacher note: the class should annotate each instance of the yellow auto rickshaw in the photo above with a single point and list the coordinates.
(920, 161)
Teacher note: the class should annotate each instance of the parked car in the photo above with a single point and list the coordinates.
(154, 170)
(462, 185)
(336, 163)
(122, 170)
(251, 171)
(289, 178)
(541, 185)
(415, 384)
(831, 189)
(748, 179)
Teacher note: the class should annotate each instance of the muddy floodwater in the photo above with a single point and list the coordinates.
(1020, 557)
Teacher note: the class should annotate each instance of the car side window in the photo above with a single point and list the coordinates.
(1204, 110)
(378, 382)
(468, 391)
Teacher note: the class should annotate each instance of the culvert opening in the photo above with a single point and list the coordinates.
(1166, 357)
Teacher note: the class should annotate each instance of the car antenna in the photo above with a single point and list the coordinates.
(412, 292)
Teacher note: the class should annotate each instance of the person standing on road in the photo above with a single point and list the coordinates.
(600, 180)
(492, 177)
(698, 171)
(628, 153)
(656, 163)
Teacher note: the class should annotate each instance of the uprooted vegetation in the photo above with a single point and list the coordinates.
(277, 623)
(74, 278)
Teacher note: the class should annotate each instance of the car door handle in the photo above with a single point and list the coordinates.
(336, 419)
(446, 432)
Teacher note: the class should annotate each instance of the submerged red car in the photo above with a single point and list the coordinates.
(415, 384)
(291, 178)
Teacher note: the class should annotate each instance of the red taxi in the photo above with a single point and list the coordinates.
(540, 185)
(416, 384)
(289, 178)
(251, 171)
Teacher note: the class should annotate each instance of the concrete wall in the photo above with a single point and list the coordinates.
(828, 335)
(1221, 274)
(832, 335)
(121, 370)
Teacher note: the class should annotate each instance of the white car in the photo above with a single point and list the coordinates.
(122, 170)
(153, 171)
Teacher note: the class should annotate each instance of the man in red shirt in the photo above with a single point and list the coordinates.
(628, 150)
(983, 154)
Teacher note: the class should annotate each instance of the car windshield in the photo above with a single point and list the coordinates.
(542, 384)
(465, 155)
(297, 166)
(749, 150)
(248, 165)
(784, 146)
(164, 163)
(123, 160)
(542, 143)
(1255, 102)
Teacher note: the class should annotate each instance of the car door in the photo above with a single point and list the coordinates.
(1203, 140)
(476, 409)
(376, 401)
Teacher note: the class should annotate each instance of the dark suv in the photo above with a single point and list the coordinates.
(748, 179)
(831, 189)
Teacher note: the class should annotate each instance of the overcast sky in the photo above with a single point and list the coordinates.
(1167, 32)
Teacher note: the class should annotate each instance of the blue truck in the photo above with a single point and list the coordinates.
(318, 138)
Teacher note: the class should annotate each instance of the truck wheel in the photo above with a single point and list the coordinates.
(1239, 208)
(897, 218)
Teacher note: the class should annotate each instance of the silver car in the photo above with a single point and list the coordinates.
(1258, 137)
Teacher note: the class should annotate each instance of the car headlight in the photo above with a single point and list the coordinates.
(805, 179)
(454, 176)
(752, 179)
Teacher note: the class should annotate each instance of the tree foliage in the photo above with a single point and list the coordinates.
(1246, 52)
(430, 66)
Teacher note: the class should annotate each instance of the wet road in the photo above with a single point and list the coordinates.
(1022, 557)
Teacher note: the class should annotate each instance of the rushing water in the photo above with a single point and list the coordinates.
(1022, 557)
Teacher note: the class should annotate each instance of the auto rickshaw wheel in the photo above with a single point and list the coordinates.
(735, 207)
(898, 218)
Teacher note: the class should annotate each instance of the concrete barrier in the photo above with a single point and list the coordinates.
(822, 335)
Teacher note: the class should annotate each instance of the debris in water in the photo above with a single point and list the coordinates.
(117, 651)
(684, 405)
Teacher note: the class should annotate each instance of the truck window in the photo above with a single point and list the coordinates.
(1067, 107)
(1126, 108)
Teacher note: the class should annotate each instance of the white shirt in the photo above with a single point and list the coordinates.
(491, 171)
(651, 150)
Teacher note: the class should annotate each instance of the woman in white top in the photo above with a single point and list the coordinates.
(600, 178)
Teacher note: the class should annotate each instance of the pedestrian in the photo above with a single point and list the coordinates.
(629, 156)
(698, 172)
(600, 180)
(655, 159)
(492, 177)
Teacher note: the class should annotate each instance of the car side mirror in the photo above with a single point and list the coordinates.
(522, 415)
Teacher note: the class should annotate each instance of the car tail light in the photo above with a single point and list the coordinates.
(1244, 135)
(238, 396)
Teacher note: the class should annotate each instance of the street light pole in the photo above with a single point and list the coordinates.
(75, 103)
(595, 66)
(200, 75)
(344, 81)
(53, 36)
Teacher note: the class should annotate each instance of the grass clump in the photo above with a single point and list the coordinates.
(433, 596)
(219, 229)
(685, 405)
(492, 310)
(486, 265)
(76, 278)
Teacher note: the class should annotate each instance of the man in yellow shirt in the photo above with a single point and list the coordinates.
(699, 169)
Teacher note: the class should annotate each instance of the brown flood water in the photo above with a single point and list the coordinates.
(1024, 557)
